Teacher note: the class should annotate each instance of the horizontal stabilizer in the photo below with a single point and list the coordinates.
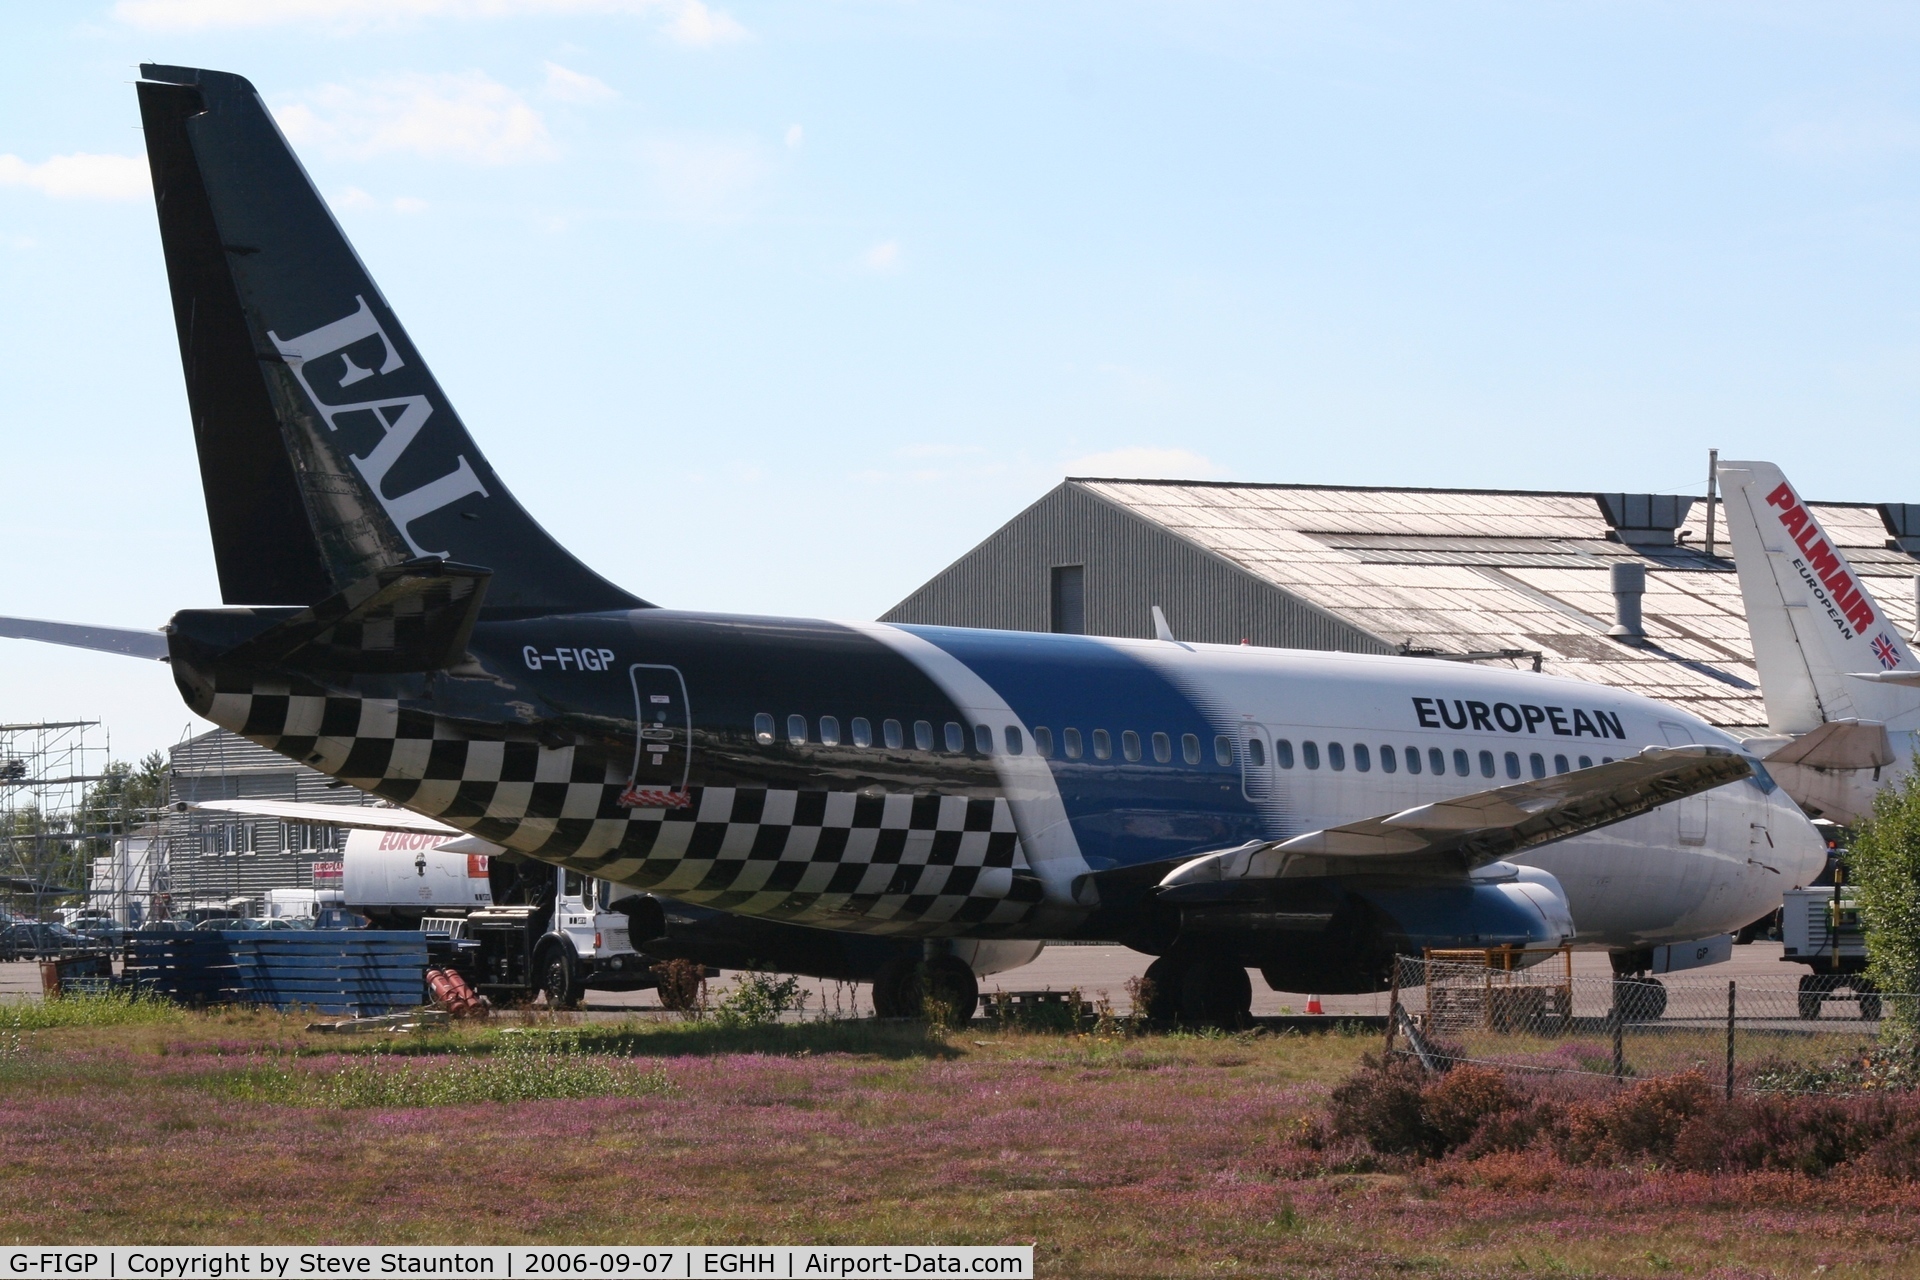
(416, 617)
(1449, 838)
(122, 640)
(360, 816)
(1839, 744)
(1909, 678)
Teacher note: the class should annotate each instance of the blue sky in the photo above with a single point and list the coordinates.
(781, 307)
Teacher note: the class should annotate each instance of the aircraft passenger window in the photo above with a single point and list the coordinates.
(830, 731)
(1486, 764)
(923, 735)
(1162, 748)
(1336, 756)
(1560, 765)
(797, 730)
(1043, 740)
(1460, 764)
(1436, 761)
(763, 729)
(1190, 748)
(1310, 753)
(1102, 745)
(956, 738)
(1513, 764)
(983, 739)
(1257, 753)
(1222, 750)
(1014, 743)
(1537, 764)
(1606, 759)
(862, 732)
(890, 734)
(1130, 745)
(1413, 759)
(1361, 759)
(1070, 738)
(1282, 751)
(1586, 762)
(1389, 759)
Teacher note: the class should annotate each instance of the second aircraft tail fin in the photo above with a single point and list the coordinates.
(1812, 619)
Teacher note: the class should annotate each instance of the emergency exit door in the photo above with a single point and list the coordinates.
(1693, 810)
(663, 739)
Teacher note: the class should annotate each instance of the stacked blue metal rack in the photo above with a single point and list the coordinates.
(359, 972)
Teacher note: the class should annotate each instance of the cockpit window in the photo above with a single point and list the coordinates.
(1761, 778)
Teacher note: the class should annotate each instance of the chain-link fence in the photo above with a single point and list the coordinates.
(1538, 1015)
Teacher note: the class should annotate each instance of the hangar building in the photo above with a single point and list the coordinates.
(1518, 577)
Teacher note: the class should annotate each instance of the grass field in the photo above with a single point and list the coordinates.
(1149, 1156)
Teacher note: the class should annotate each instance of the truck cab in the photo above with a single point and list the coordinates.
(550, 930)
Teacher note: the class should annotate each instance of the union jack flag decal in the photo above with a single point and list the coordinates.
(1883, 649)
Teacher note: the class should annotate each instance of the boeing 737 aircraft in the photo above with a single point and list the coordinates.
(1837, 677)
(398, 621)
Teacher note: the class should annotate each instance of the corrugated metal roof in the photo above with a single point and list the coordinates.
(1460, 570)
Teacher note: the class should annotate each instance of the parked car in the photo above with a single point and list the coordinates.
(219, 924)
(102, 933)
(32, 939)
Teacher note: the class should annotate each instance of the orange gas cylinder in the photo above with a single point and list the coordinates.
(451, 992)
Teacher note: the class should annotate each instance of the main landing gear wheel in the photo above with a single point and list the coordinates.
(943, 988)
(1207, 988)
(1639, 999)
(562, 989)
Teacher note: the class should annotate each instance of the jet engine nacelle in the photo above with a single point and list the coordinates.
(1340, 936)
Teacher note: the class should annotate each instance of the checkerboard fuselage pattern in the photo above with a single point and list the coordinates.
(884, 863)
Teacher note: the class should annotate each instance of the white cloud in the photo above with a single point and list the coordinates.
(467, 117)
(355, 198)
(688, 22)
(795, 136)
(1144, 462)
(705, 179)
(884, 256)
(80, 176)
(1851, 134)
(700, 26)
(576, 86)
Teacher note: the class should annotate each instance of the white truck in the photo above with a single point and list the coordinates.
(1820, 927)
(514, 928)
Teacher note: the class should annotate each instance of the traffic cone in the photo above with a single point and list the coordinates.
(1313, 1005)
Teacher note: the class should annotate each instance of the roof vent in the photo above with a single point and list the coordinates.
(1629, 584)
(1903, 522)
(1644, 519)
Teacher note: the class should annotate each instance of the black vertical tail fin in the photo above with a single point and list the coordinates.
(327, 450)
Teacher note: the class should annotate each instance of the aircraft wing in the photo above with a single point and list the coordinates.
(1449, 838)
(362, 816)
(129, 641)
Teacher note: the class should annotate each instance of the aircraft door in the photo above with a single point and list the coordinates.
(1693, 810)
(663, 739)
(1256, 763)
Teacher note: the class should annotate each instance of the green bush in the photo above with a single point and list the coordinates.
(1884, 866)
(107, 1009)
(758, 1001)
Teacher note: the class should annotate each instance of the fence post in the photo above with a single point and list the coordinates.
(1617, 1018)
(1730, 1016)
(1393, 1007)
